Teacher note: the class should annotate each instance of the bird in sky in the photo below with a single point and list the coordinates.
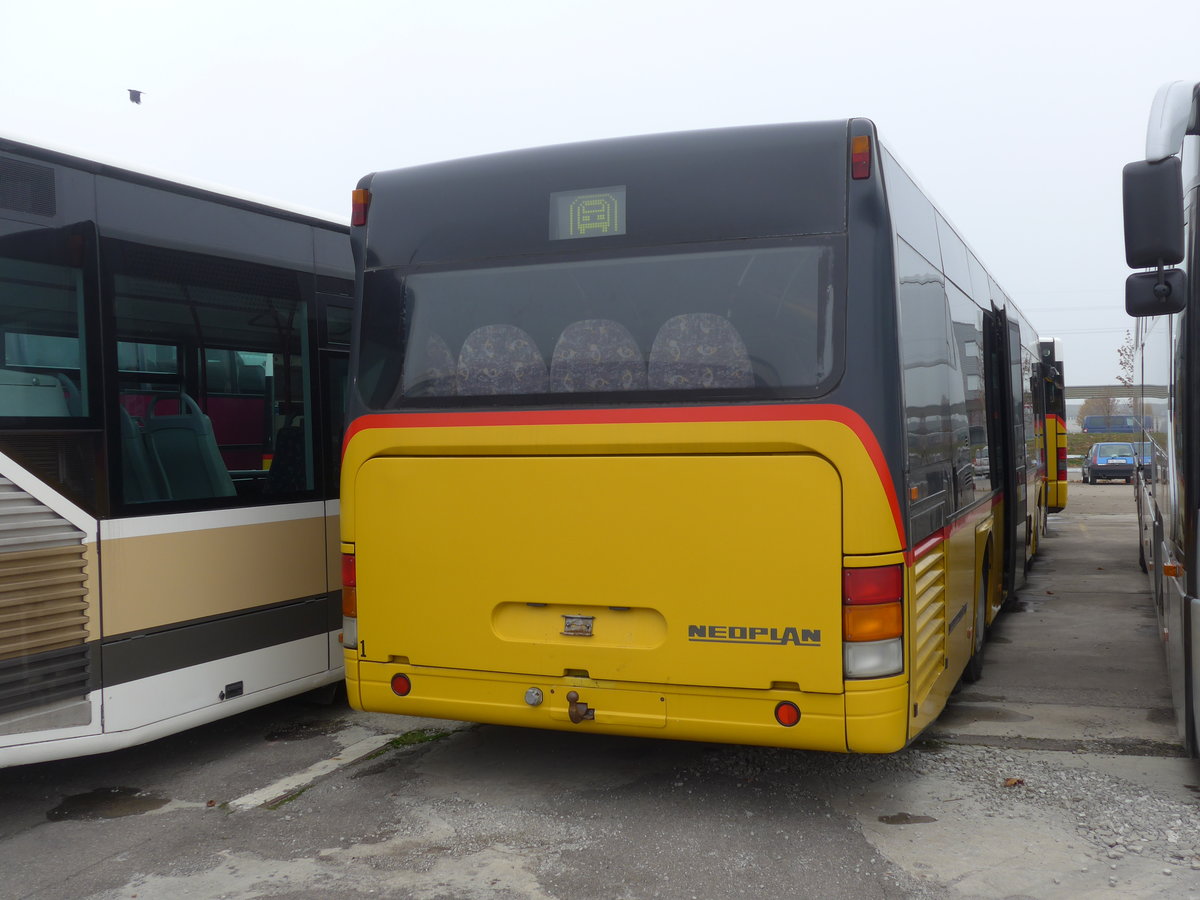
(135, 96)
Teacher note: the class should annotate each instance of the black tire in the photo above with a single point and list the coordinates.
(974, 669)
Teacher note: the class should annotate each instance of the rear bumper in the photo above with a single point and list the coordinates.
(1111, 472)
(869, 718)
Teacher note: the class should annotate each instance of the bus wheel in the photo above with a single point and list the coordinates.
(974, 670)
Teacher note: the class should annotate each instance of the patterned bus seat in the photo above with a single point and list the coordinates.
(699, 350)
(431, 372)
(597, 355)
(500, 359)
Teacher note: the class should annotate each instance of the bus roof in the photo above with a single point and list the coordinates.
(1174, 113)
(789, 179)
(187, 187)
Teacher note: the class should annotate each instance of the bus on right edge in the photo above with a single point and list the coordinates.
(1164, 243)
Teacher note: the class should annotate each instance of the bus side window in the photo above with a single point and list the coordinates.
(214, 358)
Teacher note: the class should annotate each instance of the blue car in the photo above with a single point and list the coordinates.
(1109, 461)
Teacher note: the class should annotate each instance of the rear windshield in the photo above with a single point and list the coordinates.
(746, 321)
(1114, 449)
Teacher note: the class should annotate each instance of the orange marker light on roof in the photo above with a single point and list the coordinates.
(360, 202)
(860, 157)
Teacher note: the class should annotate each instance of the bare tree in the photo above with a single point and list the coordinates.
(1125, 359)
(1096, 406)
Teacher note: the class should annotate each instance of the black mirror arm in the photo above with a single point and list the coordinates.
(1162, 290)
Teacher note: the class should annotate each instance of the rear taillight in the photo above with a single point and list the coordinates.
(860, 157)
(360, 203)
(349, 601)
(1062, 464)
(882, 584)
(873, 621)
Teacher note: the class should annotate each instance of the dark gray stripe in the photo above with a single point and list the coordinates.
(131, 657)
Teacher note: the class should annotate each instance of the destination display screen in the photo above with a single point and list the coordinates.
(595, 212)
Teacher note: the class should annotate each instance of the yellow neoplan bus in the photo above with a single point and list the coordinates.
(1055, 424)
(719, 436)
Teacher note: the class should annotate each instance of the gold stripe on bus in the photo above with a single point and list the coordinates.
(155, 580)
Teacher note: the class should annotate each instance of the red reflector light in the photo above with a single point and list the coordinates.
(401, 685)
(860, 157)
(883, 584)
(349, 586)
(787, 713)
(360, 202)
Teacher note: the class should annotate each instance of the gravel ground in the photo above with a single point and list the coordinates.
(1113, 816)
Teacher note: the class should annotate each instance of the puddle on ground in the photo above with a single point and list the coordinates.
(906, 819)
(1163, 715)
(106, 803)
(997, 639)
(300, 731)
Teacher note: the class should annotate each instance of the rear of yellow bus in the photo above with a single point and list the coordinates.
(615, 465)
(1056, 424)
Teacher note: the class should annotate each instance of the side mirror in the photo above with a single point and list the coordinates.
(1156, 293)
(1153, 201)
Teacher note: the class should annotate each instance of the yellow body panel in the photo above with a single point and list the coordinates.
(872, 527)
(634, 709)
(685, 569)
(941, 608)
(877, 715)
(684, 549)
(1056, 442)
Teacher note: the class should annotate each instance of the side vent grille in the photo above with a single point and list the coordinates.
(929, 621)
(44, 654)
(27, 188)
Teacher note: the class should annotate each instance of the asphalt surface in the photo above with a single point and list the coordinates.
(1057, 775)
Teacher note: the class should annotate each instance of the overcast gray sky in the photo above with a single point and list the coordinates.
(1015, 116)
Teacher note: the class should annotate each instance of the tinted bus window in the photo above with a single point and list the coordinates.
(214, 393)
(723, 320)
(43, 372)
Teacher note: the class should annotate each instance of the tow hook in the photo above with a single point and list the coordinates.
(578, 712)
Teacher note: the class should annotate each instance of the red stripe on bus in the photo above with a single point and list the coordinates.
(928, 544)
(957, 524)
(650, 415)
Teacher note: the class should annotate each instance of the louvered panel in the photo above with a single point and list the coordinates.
(44, 655)
(44, 592)
(66, 608)
(27, 187)
(928, 622)
(50, 677)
